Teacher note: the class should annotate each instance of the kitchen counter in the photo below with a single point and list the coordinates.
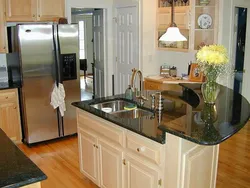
(16, 170)
(4, 85)
(184, 115)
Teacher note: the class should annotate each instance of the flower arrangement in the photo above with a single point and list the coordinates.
(212, 61)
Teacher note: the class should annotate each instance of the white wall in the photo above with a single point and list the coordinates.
(108, 5)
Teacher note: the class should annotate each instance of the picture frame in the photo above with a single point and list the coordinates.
(195, 75)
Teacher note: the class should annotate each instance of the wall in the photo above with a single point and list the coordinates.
(109, 58)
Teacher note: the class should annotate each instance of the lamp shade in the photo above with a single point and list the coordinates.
(173, 34)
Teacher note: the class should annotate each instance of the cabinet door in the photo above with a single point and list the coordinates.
(110, 165)
(9, 120)
(88, 155)
(48, 10)
(138, 174)
(2, 27)
(21, 10)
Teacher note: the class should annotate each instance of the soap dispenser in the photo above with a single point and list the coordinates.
(129, 93)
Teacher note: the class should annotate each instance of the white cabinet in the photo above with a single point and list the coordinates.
(138, 174)
(100, 161)
(110, 165)
(106, 161)
(88, 155)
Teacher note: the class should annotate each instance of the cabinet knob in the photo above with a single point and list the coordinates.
(97, 147)
(94, 145)
(15, 107)
(124, 161)
(33, 15)
(39, 15)
(142, 149)
(4, 47)
(6, 97)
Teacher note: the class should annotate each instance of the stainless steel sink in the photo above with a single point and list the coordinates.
(116, 108)
(116, 105)
(132, 114)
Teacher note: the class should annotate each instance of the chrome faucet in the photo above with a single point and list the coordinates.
(140, 96)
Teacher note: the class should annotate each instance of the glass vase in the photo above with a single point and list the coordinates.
(210, 91)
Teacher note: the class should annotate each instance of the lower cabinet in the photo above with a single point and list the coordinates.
(89, 157)
(110, 165)
(138, 174)
(10, 114)
(99, 160)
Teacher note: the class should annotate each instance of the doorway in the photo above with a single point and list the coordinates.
(240, 31)
(91, 50)
(240, 39)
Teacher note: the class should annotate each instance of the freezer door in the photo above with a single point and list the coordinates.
(69, 49)
(39, 74)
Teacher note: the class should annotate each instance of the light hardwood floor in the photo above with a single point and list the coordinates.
(59, 161)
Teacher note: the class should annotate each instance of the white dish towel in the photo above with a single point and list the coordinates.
(58, 98)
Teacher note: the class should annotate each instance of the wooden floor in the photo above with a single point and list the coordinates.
(59, 161)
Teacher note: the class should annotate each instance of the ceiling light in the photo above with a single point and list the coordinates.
(173, 33)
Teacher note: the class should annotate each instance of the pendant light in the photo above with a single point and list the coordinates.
(173, 33)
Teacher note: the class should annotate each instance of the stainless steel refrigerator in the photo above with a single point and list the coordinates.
(48, 55)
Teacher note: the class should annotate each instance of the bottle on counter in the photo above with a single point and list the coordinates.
(129, 93)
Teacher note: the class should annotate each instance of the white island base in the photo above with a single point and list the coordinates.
(114, 157)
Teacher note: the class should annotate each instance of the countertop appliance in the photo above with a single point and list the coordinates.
(48, 55)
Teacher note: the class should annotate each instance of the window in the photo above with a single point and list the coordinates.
(82, 40)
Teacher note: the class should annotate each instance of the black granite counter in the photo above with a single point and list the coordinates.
(184, 115)
(4, 85)
(16, 169)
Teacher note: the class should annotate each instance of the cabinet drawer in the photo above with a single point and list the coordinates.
(101, 127)
(144, 147)
(8, 95)
(152, 86)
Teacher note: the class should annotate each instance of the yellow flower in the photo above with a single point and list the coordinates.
(213, 55)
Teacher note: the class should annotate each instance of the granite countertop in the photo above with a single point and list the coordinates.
(16, 169)
(6, 85)
(185, 115)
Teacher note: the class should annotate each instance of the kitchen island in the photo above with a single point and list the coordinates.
(17, 170)
(175, 148)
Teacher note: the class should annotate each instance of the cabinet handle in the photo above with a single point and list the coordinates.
(142, 149)
(124, 161)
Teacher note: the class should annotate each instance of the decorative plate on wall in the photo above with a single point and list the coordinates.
(205, 21)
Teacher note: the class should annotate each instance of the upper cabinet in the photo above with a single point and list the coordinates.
(2, 27)
(47, 9)
(34, 10)
(21, 10)
(196, 19)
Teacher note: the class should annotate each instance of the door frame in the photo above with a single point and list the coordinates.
(138, 5)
